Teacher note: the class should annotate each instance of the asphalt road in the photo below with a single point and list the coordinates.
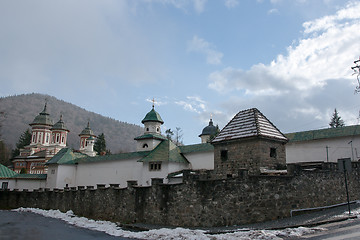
(346, 230)
(31, 226)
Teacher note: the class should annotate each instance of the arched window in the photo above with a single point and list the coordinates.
(145, 145)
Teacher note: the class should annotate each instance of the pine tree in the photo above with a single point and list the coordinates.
(24, 140)
(169, 134)
(100, 145)
(336, 120)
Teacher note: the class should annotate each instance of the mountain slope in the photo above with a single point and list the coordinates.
(20, 110)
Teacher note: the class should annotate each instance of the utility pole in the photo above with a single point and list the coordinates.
(356, 69)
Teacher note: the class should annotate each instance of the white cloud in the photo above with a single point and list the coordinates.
(199, 5)
(307, 82)
(326, 55)
(200, 45)
(231, 3)
(273, 11)
(156, 101)
(193, 104)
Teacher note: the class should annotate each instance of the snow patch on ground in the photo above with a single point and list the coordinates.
(167, 233)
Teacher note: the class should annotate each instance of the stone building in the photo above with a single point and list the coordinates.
(249, 141)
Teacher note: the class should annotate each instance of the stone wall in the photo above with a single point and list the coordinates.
(196, 202)
(252, 154)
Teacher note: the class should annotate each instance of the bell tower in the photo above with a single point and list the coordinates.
(152, 131)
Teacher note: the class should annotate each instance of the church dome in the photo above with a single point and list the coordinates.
(209, 130)
(87, 131)
(152, 116)
(42, 119)
(60, 125)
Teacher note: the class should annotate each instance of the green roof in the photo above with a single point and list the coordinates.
(152, 116)
(151, 136)
(43, 118)
(6, 172)
(31, 176)
(87, 131)
(166, 151)
(324, 133)
(112, 157)
(202, 147)
(66, 156)
(60, 125)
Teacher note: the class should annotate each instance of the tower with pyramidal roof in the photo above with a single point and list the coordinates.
(248, 142)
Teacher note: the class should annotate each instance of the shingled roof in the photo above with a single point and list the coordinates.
(249, 123)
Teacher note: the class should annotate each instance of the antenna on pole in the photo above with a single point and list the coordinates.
(356, 70)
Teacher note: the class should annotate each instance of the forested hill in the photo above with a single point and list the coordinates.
(21, 110)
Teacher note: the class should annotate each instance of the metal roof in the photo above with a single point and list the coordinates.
(209, 130)
(43, 118)
(66, 156)
(152, 116)
(6, 172)
(202, 147)
(151, 136)
(112, 157)
(30, 176)
(87, 131)
(60, 125)
(324, 133)
(249, 123)
(166, 151)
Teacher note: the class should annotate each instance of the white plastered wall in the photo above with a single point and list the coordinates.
(323, 150)
(201, 160)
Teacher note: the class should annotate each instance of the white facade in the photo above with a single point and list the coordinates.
(326, 145)
(201, 160)
(326, 150)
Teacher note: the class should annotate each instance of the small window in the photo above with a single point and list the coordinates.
(155, 166)
(4, 185)
(158, 129)
(52, 171)
(224, 155)
(145, 145)
(147, 129)
(273, 152)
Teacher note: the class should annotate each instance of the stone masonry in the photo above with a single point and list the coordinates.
(199, 202)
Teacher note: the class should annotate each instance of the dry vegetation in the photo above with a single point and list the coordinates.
(20, 110)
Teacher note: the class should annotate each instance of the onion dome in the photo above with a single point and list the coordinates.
(90, 138)
(152, 116)
(87, 131)
(209, 130)
(60, 125)
(42, 119)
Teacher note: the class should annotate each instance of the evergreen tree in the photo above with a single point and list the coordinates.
(169, 134)
(336, 120)
(213, 136)
(24, 140)
(100, 145)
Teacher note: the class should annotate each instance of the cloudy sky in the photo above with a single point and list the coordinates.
(291, 59)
